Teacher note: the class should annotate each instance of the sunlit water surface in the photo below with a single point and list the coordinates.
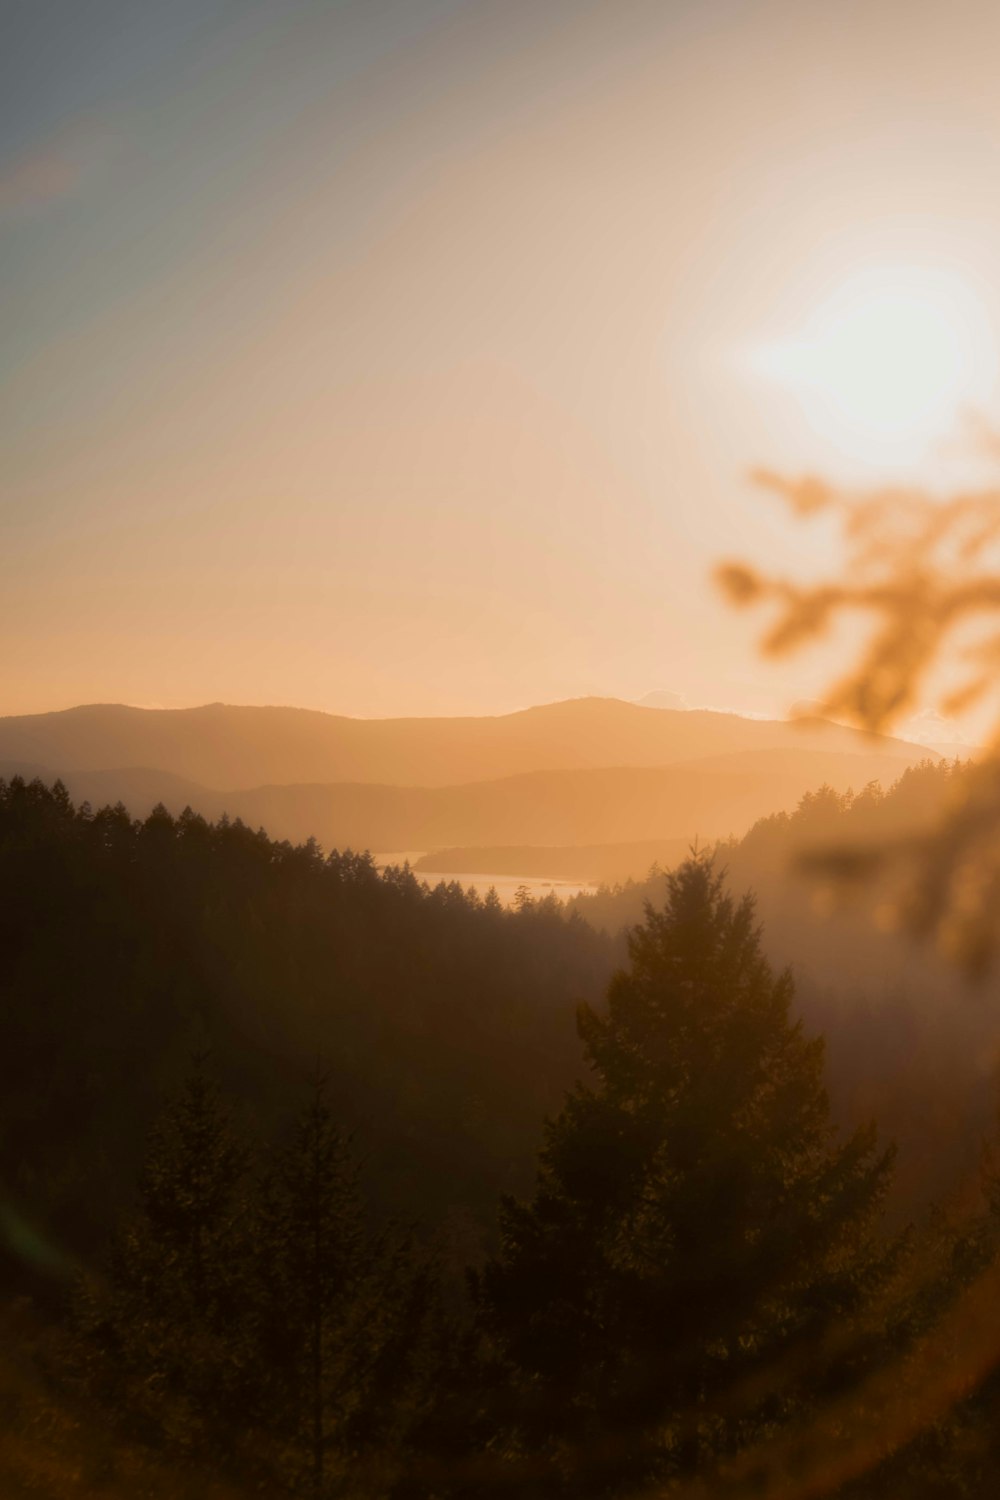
(506, 886)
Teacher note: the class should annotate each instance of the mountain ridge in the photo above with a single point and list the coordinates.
(242, 747)
(587, 805)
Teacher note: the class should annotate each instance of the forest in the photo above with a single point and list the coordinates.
(321, 1180)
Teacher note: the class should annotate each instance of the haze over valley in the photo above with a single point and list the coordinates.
(584, 772)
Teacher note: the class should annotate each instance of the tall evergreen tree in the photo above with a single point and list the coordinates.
(695, 1229)
(164, 1333)
(342, 1319)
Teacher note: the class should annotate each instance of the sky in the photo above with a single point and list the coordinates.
(400, 357)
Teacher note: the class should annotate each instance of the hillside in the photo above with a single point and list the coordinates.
(902, 1027)
(699, 799)
(233, 748)
(130, 948)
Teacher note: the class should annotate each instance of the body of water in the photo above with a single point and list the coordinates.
(506, 886)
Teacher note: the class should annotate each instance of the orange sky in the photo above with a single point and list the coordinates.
(388, 358)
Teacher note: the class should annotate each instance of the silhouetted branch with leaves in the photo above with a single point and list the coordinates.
(926, 572)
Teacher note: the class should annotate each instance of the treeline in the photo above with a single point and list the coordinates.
(443, 1020)
(701, 1294)
(870, 816)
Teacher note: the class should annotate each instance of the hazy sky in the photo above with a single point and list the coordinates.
(403, 356)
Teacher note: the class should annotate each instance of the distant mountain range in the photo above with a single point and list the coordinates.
(229, 747)
(585, 772)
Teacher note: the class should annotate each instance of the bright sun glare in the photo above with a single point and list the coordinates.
(888, 362)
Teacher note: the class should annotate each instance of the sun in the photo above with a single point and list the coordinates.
(885, 365)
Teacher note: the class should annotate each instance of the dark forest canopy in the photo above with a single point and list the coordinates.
(128, 946)
(443, 1019)
(199, 1264)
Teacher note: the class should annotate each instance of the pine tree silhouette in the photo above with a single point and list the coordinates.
(164, 1334)
(695, 1226)
(343, 1318)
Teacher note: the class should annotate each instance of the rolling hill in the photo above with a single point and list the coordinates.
(708, 799)
(233, 748)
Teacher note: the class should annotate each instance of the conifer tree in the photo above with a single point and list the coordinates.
(696, 1229)
(342, 1318)
(164, 1334)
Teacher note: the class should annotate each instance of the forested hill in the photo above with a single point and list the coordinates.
(767, 855)
(206, 1286)
(445, 1021)
(907, 1039)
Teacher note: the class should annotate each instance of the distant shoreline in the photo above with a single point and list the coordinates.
(584, 863)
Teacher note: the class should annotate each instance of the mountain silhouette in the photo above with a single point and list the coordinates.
(709, 798)
(237, 748)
